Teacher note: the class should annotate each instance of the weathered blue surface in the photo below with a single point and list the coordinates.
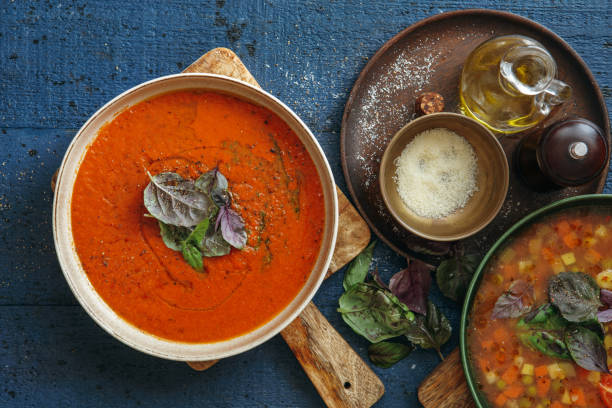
(59, 62)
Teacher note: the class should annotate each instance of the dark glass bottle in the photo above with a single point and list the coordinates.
(569, 153)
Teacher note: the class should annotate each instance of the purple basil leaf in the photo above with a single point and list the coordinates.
(605, 316)
(411, 286)
(605, 296)
(514, 302)
(232, 227)
(378, 280)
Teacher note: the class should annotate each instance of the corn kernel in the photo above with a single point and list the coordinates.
(565, 399)
(594, 377)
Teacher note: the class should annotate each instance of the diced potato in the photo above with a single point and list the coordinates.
(507, 255)
(608, 341)
(535, 245)
(601, 231)
(526, 266)
(589, 241)
(491, 377)
(557, 266)
(527, 369)
(604, 279)
(568, 369)
(565, 399)
(512, 404)
(568, 258)
(594, 377)
(518, 361)
(554, 371)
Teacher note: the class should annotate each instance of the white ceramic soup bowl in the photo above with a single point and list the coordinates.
(76, 276)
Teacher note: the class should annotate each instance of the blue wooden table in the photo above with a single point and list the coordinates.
(60, 61)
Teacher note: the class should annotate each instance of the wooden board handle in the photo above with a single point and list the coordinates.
(446, 387)
(340, 376)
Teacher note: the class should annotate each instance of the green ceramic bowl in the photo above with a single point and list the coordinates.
(595, 200)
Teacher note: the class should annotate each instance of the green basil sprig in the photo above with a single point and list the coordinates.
(385, 354)
(195, 217)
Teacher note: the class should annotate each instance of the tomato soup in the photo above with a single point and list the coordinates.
(512, 357)
(275, 188)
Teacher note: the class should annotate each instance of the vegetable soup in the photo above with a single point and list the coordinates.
(539, 331)
(269, 207)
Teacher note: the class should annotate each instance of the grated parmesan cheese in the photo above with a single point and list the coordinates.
(436, 173)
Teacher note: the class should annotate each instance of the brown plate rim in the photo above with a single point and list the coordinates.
(432, 19)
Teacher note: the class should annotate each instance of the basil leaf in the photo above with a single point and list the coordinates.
(377, 280)
(174, 200)
(576, 295)
(431, 330)
(385, 354)
(374, 313)
(214, 244)
(605, 296)
(586, 349)
(605, 316)
(454, 275)
(358, 269)
(411, 286)
(198, 233)
(192, 255)
(545, 317)
(211, 180)
(514, 302)
(232, 227)
(173, 236)
(547, 343)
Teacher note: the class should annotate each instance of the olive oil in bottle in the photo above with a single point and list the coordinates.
(508, 84)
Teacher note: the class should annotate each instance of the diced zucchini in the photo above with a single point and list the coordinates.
(524, 403)
(606, 263)
(568, 369)
(594, 377)
(604, 279)
(491, 377)
(601, 231)
(525, 266)
(568, 258)
(528, 369)
(518, 361)
(532, 391)
(556, 385)
(554, 371)
(565, 399)
(501, 384)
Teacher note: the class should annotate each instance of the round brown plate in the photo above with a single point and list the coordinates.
(428, 56)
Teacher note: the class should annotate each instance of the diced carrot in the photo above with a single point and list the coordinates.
(509, 270)
(511, 374)
(556, 404)
(587, 229)
(484, 365)
(514, 391)
(500, 334)
(487, 344)
(592, 256)
(541, 371)
(542, 385)
(563, 228)
(501, 400)
(577, 397)
(500, 357)
(548, 254)
(571, 240)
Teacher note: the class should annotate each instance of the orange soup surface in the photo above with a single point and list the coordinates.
(275, 188)
(511, 374)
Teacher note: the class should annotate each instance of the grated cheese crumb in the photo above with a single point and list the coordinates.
(436, 173)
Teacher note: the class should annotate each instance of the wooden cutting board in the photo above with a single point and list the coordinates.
(340, 376)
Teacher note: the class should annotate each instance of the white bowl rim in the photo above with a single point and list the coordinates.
(164, 348)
